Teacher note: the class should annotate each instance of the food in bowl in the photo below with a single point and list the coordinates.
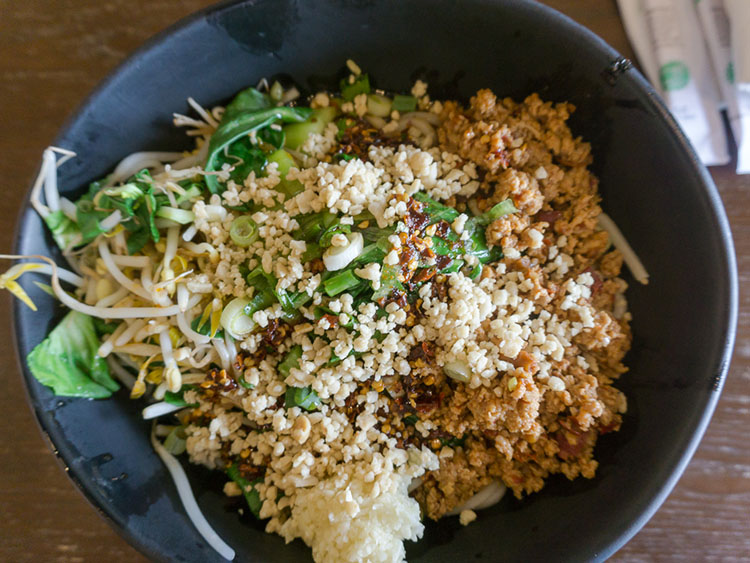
(365, 311)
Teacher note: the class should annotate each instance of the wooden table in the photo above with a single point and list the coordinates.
(52, 54)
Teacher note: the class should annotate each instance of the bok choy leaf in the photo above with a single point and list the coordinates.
(67, 361)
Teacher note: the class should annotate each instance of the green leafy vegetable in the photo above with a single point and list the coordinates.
(501, 209)
(240, 123)
(67, 361)
(290, 361)
(244, 158)
(303, 397)
(361, 85)
(252, 497)
(136, 201)
(452, 442)
(178, 398)
(247, 100)
(64, 231)
(404, 103)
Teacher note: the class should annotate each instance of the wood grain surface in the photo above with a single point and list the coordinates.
(52, 53)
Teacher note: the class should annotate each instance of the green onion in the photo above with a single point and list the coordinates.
(191, 193)
(476, 271)
(341, 282)
(339, 257)
(252, 497)
(512, 382)
(361, 85)
(303, 397)
(388, 282)
(452, 442)
(244, 231)
(458, 371)
(177, 399)
(243, 383)
(176, 441)
(404, 103)
(276, 92)
(312, 251)
(312, 225)
(284, 161)
(290, 361)
(436, 210)
(297, 133)
(379, 106)
(336, 228)
(503, 208)
(181, 216)
(236, 317)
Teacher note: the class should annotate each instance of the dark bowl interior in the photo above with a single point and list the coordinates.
(651, 182)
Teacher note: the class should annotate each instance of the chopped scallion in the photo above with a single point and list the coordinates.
(244, 231)
(403, 103)
(290, 361)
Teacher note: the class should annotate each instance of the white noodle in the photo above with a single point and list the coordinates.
(207, 117)
(68, 208)
(50, 180)
(628, 254)
(216, 213)
(184, 326)
(128, 333)
(66, 155)
(486, 497)
(138, 349)
(131, 261)
(191, 160)
(111, 221)
(188, 501)
(123, 375)
(159, 409)
(146, 281)
(431, 118)
(36, 191)
(289, 95)
(202, 248)
(120, 243)
(172, 375)
(113, 298)
(173, 236)
(223, 353)
(183, 294)
(105, 348)
(126, 360)
(189, 233)
(90, 296)
(62, 273)
(120, 278)
(137, 161)
(164, 223)
(201, 362)
(375, 121)
(231, 349)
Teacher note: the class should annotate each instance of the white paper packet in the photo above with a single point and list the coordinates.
(738, 12)
(739, 17)
(675, 59)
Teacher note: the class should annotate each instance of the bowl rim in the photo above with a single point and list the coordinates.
(716, 210)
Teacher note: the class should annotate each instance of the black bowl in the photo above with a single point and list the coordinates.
(652, 185)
